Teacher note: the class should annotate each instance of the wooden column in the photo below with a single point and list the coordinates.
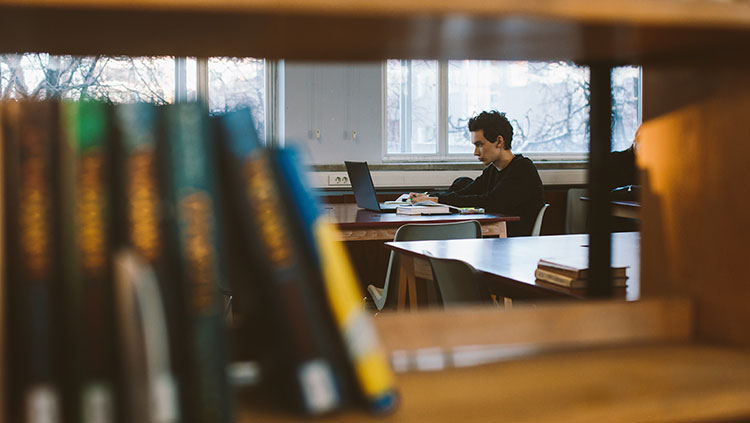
(600, 249)
(694, 156)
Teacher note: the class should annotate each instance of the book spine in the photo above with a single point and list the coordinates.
(617, 272)
(92, 238)
(141, 217)
(192, 196)
(563, 280)
(562, 270)
(34, 267)
(71, 295)
(372, 374)
(305, 362)
(135, 398)
(558, 279)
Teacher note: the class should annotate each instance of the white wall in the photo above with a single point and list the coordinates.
(335, 99)
(338, 99)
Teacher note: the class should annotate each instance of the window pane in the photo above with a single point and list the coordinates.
(547, 103)
(238, 82)
(113, 79)
(626, 83)
(412, 107)
(191, 78)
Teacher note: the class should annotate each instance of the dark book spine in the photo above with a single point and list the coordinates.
(92, 224)
(141, 220)
(32, 262)
(367, 362)
(192, 197)
(305, 360)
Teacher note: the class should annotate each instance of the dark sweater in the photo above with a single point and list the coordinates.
(516, 190)
(621, 168)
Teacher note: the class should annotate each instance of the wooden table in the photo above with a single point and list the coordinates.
(623, 208)
(509, 263)
(628, 209)
(357, 224)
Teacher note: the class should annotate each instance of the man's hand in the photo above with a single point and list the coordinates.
(417, 197)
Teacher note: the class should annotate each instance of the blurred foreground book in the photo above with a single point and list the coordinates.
(132, 231)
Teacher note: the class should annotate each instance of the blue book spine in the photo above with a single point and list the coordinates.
(283, 275)
(193, 200)
(367, 363)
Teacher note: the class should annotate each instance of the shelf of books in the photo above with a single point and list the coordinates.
(133, 233)
(129, 229)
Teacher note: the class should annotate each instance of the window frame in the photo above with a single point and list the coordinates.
(270, 112)
(442, 154)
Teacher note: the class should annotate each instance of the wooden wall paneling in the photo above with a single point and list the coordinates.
(694, 157)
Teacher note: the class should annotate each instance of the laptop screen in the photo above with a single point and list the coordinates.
(362, 186)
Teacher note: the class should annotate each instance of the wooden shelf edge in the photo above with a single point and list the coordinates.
(656, 382)
(628, 12)
(573, 324)
(618, 32)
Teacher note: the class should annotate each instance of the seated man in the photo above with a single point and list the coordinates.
(510, 183)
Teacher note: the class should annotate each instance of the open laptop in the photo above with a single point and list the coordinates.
(364, 189)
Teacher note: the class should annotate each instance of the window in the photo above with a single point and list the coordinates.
(231, 82)
(238, 82)
(113, 79)
(429, 103)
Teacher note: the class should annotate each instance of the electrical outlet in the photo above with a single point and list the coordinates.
(338, 180)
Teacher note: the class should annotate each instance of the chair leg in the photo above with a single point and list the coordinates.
(228, 310)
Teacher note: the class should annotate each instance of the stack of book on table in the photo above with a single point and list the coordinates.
(426, 207)
(573, 272)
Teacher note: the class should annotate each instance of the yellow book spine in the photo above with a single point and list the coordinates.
(371, 367)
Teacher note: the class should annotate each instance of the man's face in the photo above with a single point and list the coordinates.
(486, 151)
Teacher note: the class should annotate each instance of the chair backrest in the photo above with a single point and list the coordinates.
(436, 231)
(424, 232)
(538, 222)
(575, 213)
(458, 283)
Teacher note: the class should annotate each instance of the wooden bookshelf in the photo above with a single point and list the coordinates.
(670, 382)
(617, 31)
(601, 361)
(697, 94)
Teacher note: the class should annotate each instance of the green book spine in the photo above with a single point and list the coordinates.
(192, 197)
(87, 133)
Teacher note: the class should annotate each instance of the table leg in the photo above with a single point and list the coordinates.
(496, 229)
(403, 281)
(407, 264)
